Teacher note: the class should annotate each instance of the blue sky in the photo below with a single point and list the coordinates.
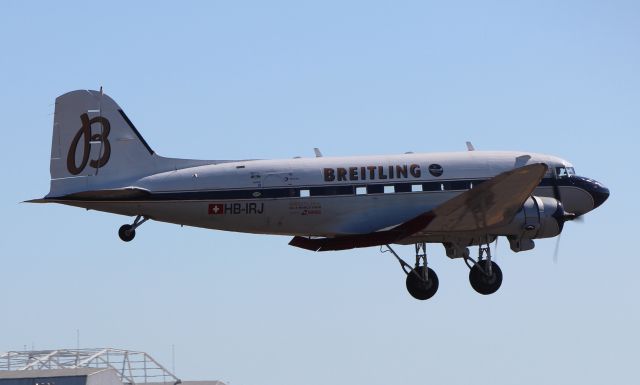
(224, 80)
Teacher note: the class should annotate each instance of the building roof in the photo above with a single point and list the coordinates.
(50, 372)
(132, 367)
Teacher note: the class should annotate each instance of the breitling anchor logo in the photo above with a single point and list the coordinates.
(87, 138)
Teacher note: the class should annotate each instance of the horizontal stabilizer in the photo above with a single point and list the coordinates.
(130, 193)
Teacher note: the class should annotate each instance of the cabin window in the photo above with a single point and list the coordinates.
(389, 189)
(374, 189)
(565, 172)
(416, 188)
(362, 190)
(431, 186)
(459, 185)
(402, 187)
(561, 172)
(304, 193)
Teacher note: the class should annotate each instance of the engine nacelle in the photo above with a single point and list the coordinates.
(540, 217)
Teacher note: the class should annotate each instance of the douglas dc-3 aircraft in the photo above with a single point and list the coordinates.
(99, 161)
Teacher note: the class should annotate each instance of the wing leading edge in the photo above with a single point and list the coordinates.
(491, 204)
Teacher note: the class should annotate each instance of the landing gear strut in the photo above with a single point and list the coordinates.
(485, 275)
(422, 282)
(128, 232)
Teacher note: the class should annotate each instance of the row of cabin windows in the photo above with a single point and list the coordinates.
(387, 189)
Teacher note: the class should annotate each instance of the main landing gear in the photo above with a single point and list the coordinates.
(485, 275)
(128, 232)
(422, 282)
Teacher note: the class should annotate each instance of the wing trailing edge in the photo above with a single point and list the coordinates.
(365, 240)
(489, 205)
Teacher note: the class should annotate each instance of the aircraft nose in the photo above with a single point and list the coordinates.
(589, 194)
(599, 196)
(598, 191)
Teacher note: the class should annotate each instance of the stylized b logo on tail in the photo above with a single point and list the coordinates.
(88, 137)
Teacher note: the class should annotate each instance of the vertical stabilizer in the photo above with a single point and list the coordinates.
(95, 145)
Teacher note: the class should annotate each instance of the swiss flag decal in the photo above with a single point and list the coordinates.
(216, 209)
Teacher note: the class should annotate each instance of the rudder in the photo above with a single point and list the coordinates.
(94, 145)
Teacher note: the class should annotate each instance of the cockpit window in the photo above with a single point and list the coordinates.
(565, 172)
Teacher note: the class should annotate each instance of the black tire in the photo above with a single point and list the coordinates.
(127, 233)
(483, 283)
(419, 288)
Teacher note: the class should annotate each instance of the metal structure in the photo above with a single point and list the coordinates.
(133, 367)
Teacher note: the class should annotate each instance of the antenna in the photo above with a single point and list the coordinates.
(470, 147)
(317, 151)
(173, 358)
(101, 130)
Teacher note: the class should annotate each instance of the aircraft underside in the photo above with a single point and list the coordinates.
(312, 217)
(339, 217)
(100, 161)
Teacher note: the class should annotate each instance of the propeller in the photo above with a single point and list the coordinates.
(557, 249)
(557, 195)
(556, 187)
(565, 218)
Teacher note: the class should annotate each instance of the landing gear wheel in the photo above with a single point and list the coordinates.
(127, 233)
(419, 288)
(483, 283)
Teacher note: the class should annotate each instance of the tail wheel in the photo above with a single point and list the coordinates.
(421, 288)
(484, 280)
(127, 233)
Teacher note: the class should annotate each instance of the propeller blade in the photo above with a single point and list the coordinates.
(556, 252)
(567, 217)
(556, 188)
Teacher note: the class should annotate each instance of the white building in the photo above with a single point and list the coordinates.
(86, 367)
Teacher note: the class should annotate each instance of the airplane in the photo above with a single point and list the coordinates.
(99, 161)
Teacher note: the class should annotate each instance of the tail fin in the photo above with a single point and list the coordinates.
(95, 145)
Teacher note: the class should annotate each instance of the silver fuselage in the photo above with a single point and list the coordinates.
(327, 196)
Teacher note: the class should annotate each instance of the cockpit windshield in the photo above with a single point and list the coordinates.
(565, 172)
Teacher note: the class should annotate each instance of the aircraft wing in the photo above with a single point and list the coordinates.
(491, 204)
